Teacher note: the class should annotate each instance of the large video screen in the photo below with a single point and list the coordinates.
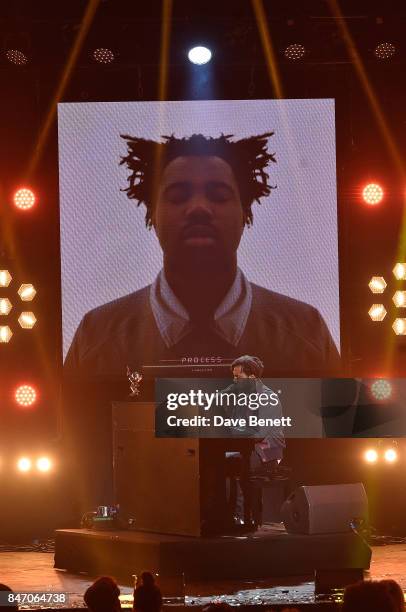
(220, 241)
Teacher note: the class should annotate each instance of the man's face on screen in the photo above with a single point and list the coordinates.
(198, 210)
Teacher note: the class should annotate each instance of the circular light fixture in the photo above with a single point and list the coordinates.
(371, 456)
(25, 395)
(103, 56)
(5, 333)
(5, 278)
(17, 57)
(372, 194)
(24, 464)
(385, 50)
(381, 389)
(199, 55)
(399, 271)
(377, 312)
(399, 327)
(44, 464)
(24, 198)
(295, 52)
(390, 455)
(377, 284)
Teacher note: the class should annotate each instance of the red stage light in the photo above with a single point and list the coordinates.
(372, 194)
(25, 395)
(24, 198)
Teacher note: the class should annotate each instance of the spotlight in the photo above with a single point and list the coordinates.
(103, 56)
(5, 278)
(25, 395)
(44, 464)
(17, 57)
(377, 312)
(24, 198)
(385, 50)
(295, 52)
(399, 327)
(371, 456)
(372, 193)
(377, 284)
(199, 55)
(399, 271)
(381, 389)
(24, 464)
(390, 455)
(399, 299)
(27, 292)
(5, 333)
(5, 306)
(27, 320)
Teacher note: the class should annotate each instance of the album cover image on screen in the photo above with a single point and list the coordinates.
(252, 181)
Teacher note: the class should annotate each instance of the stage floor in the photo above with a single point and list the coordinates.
(34, 571)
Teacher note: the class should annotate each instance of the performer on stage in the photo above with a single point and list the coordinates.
(254, 458)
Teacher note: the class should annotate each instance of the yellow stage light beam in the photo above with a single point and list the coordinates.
(389, 141)
(8, 234)
(266, 40)
(369, 91)
(165, 43)
(87, 21)
(163, 80)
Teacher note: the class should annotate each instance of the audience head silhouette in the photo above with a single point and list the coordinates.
(373, 596)
(103, 595)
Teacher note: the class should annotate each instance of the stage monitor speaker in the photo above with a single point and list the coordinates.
(325, 508)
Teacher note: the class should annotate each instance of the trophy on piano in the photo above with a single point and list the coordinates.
(135, 379)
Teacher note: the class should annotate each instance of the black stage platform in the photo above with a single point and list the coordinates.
(268, 552)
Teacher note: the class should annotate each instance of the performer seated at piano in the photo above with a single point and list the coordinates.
(256, 456)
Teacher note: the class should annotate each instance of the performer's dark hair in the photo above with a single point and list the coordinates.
(249, 364)
(247, 157)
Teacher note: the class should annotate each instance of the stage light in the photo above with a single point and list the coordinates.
(5, 333)
(381, 389)
(390, 455)
(27, 292)
(5, 306)
(24, 198)
(295, 52)
(385, 50)
(199, 55)
(371, 456)
(399, 327)
(377, 312)
(372, 193)
(27, 320)
(399, 299)
(44, 464)
(15, 56)
(24, 464)
(103, 56)
(399, 271)
(377, 284)
(5, 278)
(25, 395)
